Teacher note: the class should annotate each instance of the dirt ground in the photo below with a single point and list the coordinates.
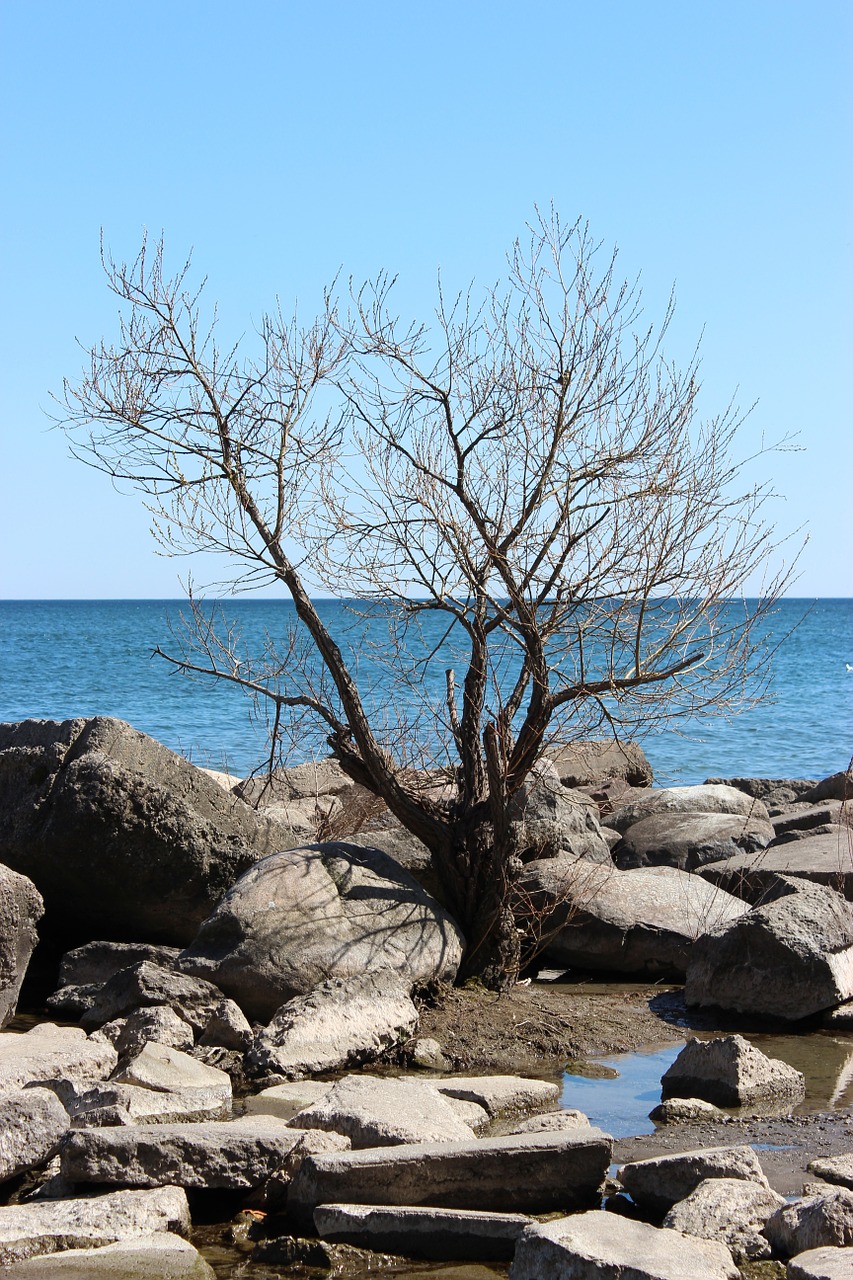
(541, 1026)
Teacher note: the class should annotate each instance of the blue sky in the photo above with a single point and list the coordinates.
(710, 141)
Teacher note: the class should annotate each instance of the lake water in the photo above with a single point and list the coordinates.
(81, 658)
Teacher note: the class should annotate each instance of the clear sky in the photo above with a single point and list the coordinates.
(711, 141)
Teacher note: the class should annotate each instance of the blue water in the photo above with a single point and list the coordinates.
(82, 658)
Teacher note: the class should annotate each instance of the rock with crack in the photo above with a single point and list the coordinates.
(321, 911)
(731, 1211)
(659, 1183)
(642, 921)
(342, 1022)
(51, 1226)
(592, 1246)
(731, 1072)
(788, 959)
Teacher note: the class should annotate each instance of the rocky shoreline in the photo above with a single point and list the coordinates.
(255, 1009)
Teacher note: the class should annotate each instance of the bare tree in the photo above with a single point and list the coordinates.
(521, 492)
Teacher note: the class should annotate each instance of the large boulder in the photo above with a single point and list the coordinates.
(21, 908)
(788, 959)
(731, 1072)
(321, 911)
(706, 798)
(689, 840)
(815, 1222)
(641, 921)
(123, 838)
(661, 1181)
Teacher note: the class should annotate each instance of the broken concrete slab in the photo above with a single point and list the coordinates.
(50, 1226)
(534, 1173)
(212, 1154)
(439, 1234)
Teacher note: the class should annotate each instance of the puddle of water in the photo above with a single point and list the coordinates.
(620, 1104)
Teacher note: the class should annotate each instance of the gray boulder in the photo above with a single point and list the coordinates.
(342, 1022)
(21, 908)
(502, 1095)
(32, 1122)
(776, 793)
(50, 1226)
(321, 911)
(155, 1022)
(375, 1112)
(160, 1256)
(662, 1181)
(813, 1223)
(596, 1246)
(697, 799)
(731, 1072)
(687, 1111)
(789, 959)
(642, 921)
(812, 819)
(689, 840)
(838, 786)
(95, 963)
(731, 1211)
(581, 764)
(122, 837)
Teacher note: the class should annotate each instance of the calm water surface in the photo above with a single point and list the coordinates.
(83, 658)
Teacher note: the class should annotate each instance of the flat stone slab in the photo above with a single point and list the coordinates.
(374, 1112)
(49, 1053)
(500, 1095)
(440, 1234)
(835, 1169)
(533, 1173)
(111, 1104)
(822, 859)
(214, 1154)
(50, 1226)
(160, 1256)
(821, 1264)
(168, 1070)
(285, 1100)
(660, 1182)
(599, 1246)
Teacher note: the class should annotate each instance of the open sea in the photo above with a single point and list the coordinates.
(64, 658)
